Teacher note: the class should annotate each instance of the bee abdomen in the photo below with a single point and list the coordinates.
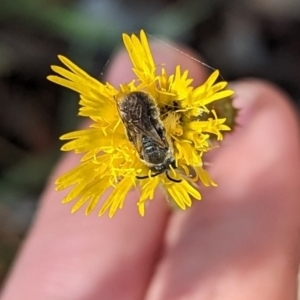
(148, 143)
(152, 153)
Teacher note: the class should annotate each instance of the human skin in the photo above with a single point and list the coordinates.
(240, 242)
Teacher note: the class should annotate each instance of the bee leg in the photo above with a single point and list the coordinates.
(172, 179)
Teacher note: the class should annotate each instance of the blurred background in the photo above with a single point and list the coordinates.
(258, 38)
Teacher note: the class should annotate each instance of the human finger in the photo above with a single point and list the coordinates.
(70, 256)
(241, 241)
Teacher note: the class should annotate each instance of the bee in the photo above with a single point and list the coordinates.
(145, 130)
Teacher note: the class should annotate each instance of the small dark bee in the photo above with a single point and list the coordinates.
(145, 130)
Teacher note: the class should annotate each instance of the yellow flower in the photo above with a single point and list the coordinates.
(114, 148)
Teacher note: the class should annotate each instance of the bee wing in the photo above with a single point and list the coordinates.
(134, 137)
(136, 113)
(152, 133)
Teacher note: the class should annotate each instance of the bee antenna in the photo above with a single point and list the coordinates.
(142, 177)
(147, 176)
(156, 174)
(172, 179)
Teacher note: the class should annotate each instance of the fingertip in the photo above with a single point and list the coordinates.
(264, 145)
(253, 96)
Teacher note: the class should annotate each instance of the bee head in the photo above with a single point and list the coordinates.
(165, 166)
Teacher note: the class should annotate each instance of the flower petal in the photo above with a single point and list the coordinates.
(116, 198)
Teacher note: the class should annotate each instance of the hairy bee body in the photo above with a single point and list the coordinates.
(145, 130)
(156, 157)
